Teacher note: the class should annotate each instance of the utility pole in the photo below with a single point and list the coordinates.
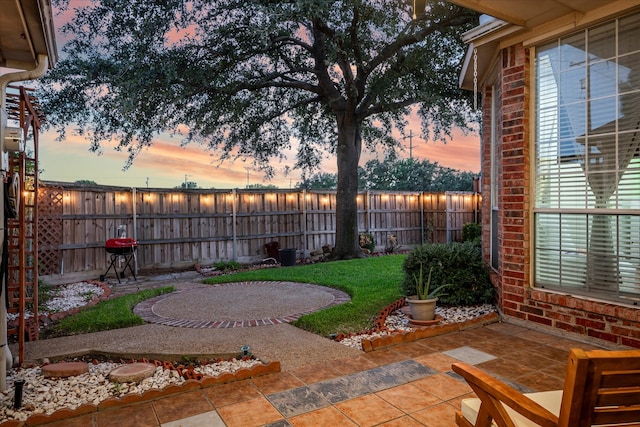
(410, 143)
(247, 169)
(147, 181)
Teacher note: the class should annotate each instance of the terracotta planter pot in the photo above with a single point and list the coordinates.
(422, 309)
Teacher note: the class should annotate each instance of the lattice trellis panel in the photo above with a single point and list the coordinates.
(50, 229)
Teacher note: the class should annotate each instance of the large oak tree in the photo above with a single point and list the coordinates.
(247, 78)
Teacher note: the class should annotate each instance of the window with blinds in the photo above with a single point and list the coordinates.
(587, 162)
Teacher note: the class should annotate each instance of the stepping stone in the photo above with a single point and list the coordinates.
(132, 372)
(64, 369)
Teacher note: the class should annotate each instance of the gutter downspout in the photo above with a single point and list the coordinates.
(6, 359)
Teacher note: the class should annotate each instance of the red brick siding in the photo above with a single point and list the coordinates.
(516, 297)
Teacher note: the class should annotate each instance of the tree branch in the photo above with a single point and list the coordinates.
(390, 107)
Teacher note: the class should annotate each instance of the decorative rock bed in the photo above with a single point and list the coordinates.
(50, 398)
(67, 300)
(392, 325)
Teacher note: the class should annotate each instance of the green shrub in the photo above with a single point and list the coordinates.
(458, 264)
(227, 266)
(471, 232)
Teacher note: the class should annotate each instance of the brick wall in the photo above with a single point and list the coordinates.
(516, 298)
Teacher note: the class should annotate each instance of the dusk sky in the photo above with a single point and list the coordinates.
(166, 164)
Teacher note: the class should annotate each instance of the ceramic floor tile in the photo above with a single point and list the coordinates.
(207, 419)
(439, 343)
(506, 328)
(496, 348)
(462, 338)
(443, 386)
(315, 373)
(250, 413)
(477, 334)
(329, 416)
(440, 362)
(406, 421)
(469, 355)
(537, 336)
(392, 375)
(341, 388)
(279, 423)
(505, 368)
(552, 353)
(384, 357)
(556, 370)
(413, 349)
(442, 415)
(273, 383)
(129, 416)
(186, 405)
(409, 398)
(371, 380)
(539, 381)
(534, 360)
(226, 394)
(369, 410)
(353, 364)
(82, 421)
(297, 401)
(568, 344)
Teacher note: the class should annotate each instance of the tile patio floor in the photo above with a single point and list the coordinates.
(407, 385)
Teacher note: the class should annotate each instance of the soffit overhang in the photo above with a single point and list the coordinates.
(528, 22)
(26, 31)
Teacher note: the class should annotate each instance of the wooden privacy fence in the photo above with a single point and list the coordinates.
(176, 228)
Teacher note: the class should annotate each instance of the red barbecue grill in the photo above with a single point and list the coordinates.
(121, 248)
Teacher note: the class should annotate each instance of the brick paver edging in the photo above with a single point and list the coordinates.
(145, 309)
(112, 402)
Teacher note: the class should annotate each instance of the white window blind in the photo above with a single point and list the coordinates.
(587, 162)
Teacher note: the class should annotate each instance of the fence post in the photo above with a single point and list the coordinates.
(134, 212)
(233, 223)
(367, 211)
(305, 243)
(421, 217)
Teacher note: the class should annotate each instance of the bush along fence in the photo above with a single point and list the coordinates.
(176, 228)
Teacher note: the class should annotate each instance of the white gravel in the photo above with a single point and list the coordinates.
(398, 321)
(47, 395)
(65, 297)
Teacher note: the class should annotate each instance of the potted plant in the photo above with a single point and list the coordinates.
(423, 304)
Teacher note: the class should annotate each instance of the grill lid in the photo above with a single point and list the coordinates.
(121, 243)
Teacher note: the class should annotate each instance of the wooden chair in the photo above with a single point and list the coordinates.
(601, 388)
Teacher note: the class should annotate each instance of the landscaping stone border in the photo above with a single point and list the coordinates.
(399, 337)
(193, 381)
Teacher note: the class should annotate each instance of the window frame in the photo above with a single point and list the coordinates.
(588, 213)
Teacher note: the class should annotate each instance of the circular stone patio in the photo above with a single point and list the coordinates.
(242, 304)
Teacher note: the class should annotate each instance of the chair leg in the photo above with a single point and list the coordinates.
(461, 420)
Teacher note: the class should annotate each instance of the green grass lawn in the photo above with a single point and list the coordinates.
(110, 314)
(372, 283)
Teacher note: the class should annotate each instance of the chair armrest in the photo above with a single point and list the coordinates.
(493, 392)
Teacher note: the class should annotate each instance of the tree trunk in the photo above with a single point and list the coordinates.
(348, 156)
